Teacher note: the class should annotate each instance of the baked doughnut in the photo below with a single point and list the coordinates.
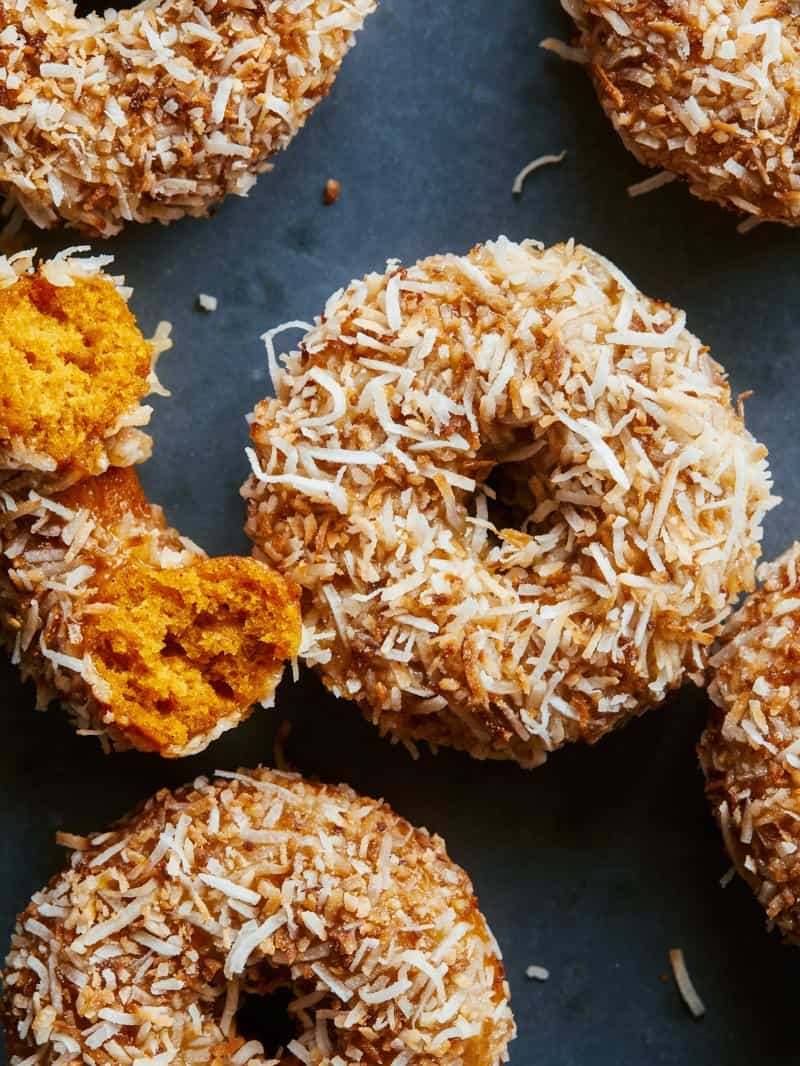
(258, 880)
(146, 642)
(159, 111)
(514, 492)
(706, 90)
(750, 751)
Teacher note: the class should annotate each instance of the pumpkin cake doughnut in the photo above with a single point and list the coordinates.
(74, 369)
(514, 492)
(257, 880)
(146, 641)
(706, 90)
(158, 111)
(750, 752)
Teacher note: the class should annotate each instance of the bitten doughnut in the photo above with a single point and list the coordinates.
(514, 492)
(257, 880)
(750, 751)
(707, 90)
(159, 111)
(74, 369)
(144, 640)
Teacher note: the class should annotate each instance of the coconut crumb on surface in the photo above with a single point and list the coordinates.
(537, 973)
(230, 886)
(684, 983)
(529, 168)
(206, 302)
(331, 192)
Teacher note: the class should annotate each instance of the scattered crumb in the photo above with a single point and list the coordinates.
(535, 164)
(331, 191)
(684, 983)
(537, 973)
(206, 302)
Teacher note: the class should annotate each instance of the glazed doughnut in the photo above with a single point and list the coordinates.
(750, 751)
(159, 111)
(706, 90)
(145, 641)
(254, 881)
(514, 492)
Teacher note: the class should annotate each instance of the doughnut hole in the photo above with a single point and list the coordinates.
(266, 1018)
(72, 361)
(180, 652)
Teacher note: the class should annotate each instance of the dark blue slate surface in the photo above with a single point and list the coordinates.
(598, 863)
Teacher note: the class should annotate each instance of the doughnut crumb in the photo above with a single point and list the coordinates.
(331, 192)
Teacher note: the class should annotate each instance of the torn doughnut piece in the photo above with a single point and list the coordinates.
(146, 641)
(74, 368)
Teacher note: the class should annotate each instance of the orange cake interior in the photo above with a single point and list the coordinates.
(180, 649)
(72, 360)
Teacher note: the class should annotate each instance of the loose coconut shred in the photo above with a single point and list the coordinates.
(750, 751)
(159, 111)
(142, 948)
(515, 493)
(705, 89)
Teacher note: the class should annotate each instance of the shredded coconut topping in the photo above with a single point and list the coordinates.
(582, 582)
(708, 91)
(750, 751)
(148, 950)
(161, 110)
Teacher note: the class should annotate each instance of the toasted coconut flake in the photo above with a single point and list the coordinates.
(684, 983)
(535, 164)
